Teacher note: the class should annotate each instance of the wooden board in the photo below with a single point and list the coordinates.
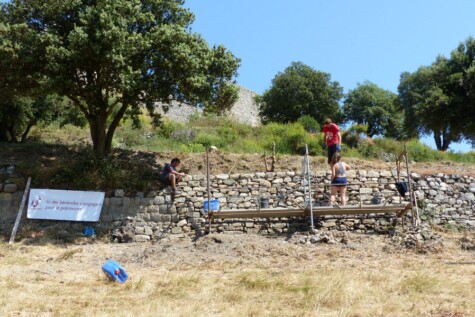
(317, 211)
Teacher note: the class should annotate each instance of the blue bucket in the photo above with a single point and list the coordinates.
(114, 271)
(214, 204)
(88, 232)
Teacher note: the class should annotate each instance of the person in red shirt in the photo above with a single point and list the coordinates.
(332, 138)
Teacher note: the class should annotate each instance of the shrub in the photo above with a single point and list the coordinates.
(167, 128)
(309, 123)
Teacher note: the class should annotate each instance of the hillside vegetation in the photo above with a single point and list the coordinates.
(233, 137)
(62, 157)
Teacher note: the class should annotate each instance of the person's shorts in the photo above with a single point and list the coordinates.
(332, 150)
(339, 181)
(164, 179)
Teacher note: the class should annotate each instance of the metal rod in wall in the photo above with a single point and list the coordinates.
(309, 188)
(304, 171)
(209, 188)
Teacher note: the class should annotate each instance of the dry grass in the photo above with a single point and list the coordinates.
(269, 278)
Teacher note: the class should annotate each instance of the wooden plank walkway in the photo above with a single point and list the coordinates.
(399, 209)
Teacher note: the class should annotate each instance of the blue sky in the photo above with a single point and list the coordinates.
(352, 40)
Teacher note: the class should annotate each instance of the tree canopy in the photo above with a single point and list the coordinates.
(439, 98)
(300, 90)
(374, 107)
(110, 56)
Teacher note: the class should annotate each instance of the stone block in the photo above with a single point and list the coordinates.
(229, 182)
(10, 188)
(146, 201)
(119, 193)
(5, 196)
(148, 230)
(265, 183)
(176, 230)
(166, 218)
(126, 201)
(142, 238)
(366, 190)
(116, 201)
(182, 223)
(158, 200)
(469, 196)
(386, 174)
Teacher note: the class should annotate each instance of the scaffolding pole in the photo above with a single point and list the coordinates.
(309, 175)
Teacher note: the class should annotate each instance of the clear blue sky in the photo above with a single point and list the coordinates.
(354, 41)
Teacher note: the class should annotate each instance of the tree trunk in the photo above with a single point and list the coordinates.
(442, 141)
(25, 133)
(114, 124)
(3, 134)
(438, 140)
(97, 126)
(13, 137)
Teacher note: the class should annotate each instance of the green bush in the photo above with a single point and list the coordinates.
(309, 123)
(168, 127)
(419, 152)
(193, 148)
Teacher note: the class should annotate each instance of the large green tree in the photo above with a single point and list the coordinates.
(439, 98)
(374, 107)
(462, 82)
(301, 90)
(110, 56)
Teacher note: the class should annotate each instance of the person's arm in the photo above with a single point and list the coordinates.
(348, 167)
(179, 174)
(339, 138)
(333, 172)
(172, 171)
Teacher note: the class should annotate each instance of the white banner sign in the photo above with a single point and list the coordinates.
(65, 205)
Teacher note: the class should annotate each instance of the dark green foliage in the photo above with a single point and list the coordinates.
(354, 135)
(111, 57)
(301, 90)
(374, 107)
(439, 98)
(310, 124)
(19, 114)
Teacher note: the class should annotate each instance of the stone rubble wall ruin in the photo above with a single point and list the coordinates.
(245, 110)
(444, 199)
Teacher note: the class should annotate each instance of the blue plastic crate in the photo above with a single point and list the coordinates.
(114, 271)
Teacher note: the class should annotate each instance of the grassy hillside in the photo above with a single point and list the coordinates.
(232, 137)
(62, 157)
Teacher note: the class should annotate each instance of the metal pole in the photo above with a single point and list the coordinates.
(209, 188)
(20, 211)
(312, 227)
(415, 217)
(304, 172)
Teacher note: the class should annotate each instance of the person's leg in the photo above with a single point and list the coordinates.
(331, 151)
(171, 179)
(343, 195)
(334, 191)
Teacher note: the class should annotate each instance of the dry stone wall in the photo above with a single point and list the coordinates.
(444, 199)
